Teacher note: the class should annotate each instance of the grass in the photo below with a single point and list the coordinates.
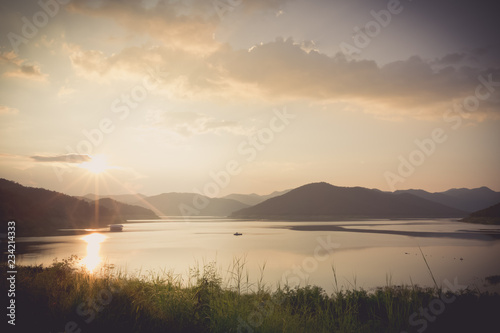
(63, 298)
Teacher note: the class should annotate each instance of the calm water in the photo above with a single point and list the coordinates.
(364, 253)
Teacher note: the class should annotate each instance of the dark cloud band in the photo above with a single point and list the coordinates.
(68, 158)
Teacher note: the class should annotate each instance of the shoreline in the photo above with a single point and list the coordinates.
(485, 235)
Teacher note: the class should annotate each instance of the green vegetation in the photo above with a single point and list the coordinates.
(63, 297)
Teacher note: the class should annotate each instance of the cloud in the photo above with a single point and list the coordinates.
(176, 24)
(12, 157)
(308, 46)
(10, 58)
(67, 158)
(87, 63)
(189, 75)
(31, 72)
(19, 68)
(253, 6)
(5, 110)
(64, 92)
(94, 64)
(452, 58)
(188, 25)
(288, 70)
(413, 87)
(188, 124)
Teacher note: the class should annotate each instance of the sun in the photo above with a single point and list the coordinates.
(96, 165)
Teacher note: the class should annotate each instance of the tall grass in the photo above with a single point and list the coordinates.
(63, 297)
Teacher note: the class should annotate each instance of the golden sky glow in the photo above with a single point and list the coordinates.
(380, 94)
(97, 164)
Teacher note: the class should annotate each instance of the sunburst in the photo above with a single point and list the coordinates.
(97, 164)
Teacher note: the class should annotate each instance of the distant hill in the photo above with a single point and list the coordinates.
(253, 199)
(324, 201)
(490, 215)
(128, 212)
(125, 198)
(38, 211)
(190, 204)
(469, 200)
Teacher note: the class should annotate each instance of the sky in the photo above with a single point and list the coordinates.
(249, 96)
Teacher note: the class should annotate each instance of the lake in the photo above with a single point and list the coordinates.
(363, 254)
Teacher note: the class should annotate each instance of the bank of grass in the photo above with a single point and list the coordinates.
(63, 298)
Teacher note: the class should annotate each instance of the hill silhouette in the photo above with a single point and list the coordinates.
(125, 198)
(323, 201)
(38, 211)
(469, 200)
(490, 215)
(190, 204)
(253, 199)
(126, 211)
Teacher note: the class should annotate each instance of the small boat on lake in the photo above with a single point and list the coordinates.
(115, 227)
(237, 234)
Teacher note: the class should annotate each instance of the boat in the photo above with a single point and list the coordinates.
(237, 234)
(115, 227)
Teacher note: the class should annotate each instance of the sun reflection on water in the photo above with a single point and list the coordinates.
(93, 259)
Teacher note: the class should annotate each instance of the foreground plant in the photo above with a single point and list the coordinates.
(66, 298)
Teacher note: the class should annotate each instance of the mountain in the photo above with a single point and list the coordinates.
(190, 204)
(125, 198)
(128, 212)
(474, 199)
(171, 204)
(253, 199)
(469, 200)
(490, 215)
(38, 211)
(324, 201)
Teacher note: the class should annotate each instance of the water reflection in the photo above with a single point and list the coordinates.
(364, 256)
(93, 259)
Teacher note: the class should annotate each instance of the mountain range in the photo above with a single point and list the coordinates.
(253, 199)
(177, 204)
(125, 211)
(125, 198)
(469, 200)
(192, 204)
(189, 204)
(323, 201)
(40, 211)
